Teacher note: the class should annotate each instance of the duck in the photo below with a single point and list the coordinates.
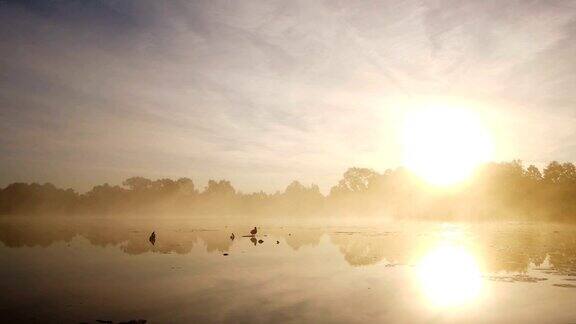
(254, 231)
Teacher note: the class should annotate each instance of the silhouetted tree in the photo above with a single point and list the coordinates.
(533, 173)
(219, 188)
(23, 198)
(137, 183)
(498, 190)
(355, 180)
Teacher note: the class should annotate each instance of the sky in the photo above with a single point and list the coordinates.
(265, 92)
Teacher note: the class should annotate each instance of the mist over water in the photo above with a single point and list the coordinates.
(301, 271)
(379, 247)
(496, 191)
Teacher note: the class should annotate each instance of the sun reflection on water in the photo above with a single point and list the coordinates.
(449, 275)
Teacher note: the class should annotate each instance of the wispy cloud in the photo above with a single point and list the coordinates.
(262, 92)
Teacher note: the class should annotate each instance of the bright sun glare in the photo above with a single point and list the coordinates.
(449, 276)
(443, 145)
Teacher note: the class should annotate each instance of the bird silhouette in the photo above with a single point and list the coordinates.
(152, 238)
(254, 231)
(253, 240)
(232, 237)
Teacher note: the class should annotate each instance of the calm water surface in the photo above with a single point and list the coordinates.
(71, 270)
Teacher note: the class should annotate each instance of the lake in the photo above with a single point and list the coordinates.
(90, 269)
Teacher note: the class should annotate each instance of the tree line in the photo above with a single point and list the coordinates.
(506, 190)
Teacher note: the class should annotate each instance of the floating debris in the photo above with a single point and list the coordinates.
(565, 285)
(152, 238)
(277, 242)
(253, 240)
(232, 237)
(515, 278)
(260, 241)
(560, 272)
(225, 254)
(137, 321)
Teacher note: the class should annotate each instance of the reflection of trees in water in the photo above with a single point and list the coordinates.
(510, 249)
(180, 242)
(302, 237)
(514, 250)
(30, 235)
(301, 240)
(132, 240)
(361, 249)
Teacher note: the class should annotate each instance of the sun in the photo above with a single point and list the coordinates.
(443, 144)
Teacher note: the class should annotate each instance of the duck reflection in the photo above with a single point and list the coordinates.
(152, 238)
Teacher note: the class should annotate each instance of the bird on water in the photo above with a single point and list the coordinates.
(152, 238)
(254, 231)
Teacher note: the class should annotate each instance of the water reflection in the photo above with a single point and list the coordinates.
(449, 275)
(297, 273)
(512, 248)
